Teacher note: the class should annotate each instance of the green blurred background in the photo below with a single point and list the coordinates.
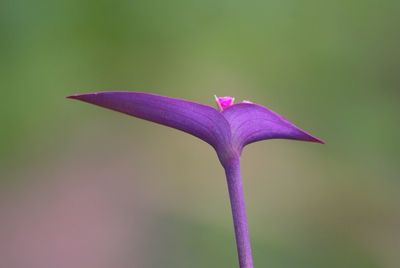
(84, 187)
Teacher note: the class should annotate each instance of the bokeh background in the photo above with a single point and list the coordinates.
(84, 187)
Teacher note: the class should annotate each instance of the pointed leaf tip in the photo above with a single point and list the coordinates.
(305, 136)
(84, 96)
(78, 96)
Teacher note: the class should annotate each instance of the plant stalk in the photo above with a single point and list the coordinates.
(236, 196)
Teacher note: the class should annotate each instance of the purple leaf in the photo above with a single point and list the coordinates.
(200, 120)
(252, 122)
(227, 130)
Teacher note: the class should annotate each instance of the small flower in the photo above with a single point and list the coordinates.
(224, 102)
(228, 131)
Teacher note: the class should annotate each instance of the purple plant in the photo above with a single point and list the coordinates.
(228, 131)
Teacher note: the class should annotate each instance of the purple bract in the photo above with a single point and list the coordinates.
(228, 131)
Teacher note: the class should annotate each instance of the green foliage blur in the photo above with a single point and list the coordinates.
(332, 67)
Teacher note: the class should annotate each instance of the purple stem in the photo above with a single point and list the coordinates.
(236, 195)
